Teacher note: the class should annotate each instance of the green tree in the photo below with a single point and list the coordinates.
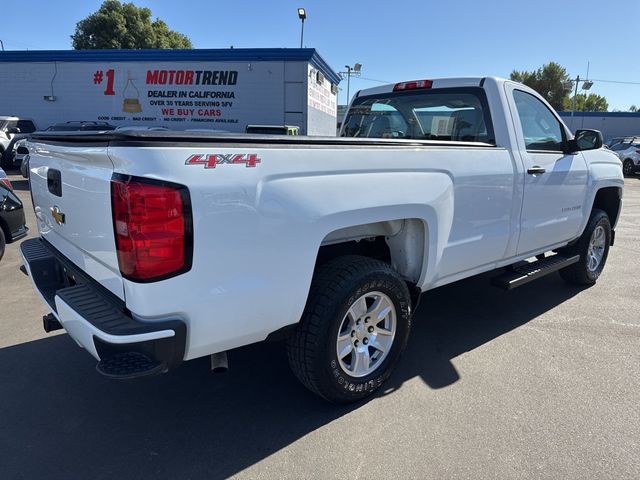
(123, 25)
(584, 103)
(551, 81)
(633, 108)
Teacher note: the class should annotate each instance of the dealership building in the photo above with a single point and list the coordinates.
(221, 89)
(611, 124)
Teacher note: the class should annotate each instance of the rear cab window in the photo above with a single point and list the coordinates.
(454, 114)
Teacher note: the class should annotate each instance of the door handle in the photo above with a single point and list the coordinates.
(536, 170)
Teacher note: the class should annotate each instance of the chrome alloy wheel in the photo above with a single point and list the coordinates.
(596, 248)
(366, 334)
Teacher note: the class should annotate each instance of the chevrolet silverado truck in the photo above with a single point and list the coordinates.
(158, 247)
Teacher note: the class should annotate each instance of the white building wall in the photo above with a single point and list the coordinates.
(322, 104)
(262, 92)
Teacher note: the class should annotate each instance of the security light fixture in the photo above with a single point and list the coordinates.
(587, 84)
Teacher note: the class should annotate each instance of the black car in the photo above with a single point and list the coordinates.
(12, 222)
(80, 126)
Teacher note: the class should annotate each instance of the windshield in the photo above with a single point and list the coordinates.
(458, 114)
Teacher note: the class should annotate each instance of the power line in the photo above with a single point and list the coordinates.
(615, 81)
(373, 80)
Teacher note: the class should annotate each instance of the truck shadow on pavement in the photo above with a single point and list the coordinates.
(60, 419)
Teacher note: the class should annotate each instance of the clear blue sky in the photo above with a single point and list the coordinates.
(393, 40)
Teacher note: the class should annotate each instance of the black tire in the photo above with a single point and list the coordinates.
(627, 167)
(3, 243)
(311, 348)
(579, 273)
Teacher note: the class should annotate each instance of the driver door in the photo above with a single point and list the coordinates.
(555, 182)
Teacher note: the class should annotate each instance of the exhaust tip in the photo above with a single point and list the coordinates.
(219, 362)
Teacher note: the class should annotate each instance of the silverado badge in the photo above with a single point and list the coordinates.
(57, 215)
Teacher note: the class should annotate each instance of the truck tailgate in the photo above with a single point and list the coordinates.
(71, 191)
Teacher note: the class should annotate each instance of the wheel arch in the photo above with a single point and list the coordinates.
(403, 243)
(609, 199)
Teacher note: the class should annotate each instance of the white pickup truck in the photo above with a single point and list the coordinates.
(157, 247)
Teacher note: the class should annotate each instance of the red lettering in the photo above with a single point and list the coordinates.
(152, 77)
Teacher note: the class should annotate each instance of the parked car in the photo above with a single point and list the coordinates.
(21, 156)
(622, 143)
(616, 140)
(630, 159)
(13, 225)
(75, 126)
(12, 129)
(273, 130)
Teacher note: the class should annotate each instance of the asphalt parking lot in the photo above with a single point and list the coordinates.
(541, 382)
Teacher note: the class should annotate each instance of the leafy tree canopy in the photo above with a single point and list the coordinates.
(123, 25)
(584, 103)
(551, 81)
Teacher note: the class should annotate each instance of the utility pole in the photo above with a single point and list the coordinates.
(575, 95)
(356, 71)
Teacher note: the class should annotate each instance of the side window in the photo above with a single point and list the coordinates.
(26, 126)
(541, 129)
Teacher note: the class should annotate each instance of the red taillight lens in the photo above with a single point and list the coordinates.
(152, 225)
(7, 183)
(413, 85)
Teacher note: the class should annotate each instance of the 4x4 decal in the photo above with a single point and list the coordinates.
(211, 160)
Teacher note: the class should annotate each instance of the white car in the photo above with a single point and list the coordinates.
(630, 158)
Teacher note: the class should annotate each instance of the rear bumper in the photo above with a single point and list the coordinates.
(95, 318)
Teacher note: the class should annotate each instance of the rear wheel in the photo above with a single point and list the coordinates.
(593, 248)
(627, 167)
(355, 326)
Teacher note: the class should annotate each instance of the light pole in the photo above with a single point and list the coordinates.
(302, 15)
(356, 71)
(2, 44)
(586, 85)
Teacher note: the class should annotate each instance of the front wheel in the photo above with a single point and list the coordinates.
(593, 248)
(354, 327)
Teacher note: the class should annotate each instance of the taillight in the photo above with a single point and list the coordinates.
(5, 181)
(413, 85)
(152, 226)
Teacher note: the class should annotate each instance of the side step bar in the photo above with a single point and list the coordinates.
(528, 272)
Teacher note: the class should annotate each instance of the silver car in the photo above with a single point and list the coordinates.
(630, 157)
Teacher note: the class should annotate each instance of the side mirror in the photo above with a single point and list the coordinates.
(586, 140)
(13, 130)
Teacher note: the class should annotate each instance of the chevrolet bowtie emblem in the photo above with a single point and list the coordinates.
(57, 215)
